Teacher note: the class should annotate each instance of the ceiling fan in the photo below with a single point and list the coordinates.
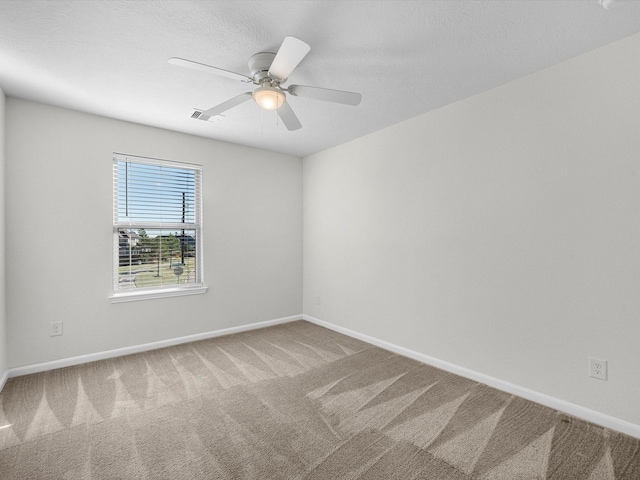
(269, 71)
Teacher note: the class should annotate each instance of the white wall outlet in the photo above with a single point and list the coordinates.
(56, 328)
(317, 299)
(597, 368)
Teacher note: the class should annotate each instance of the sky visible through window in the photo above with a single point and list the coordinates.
(153, 193)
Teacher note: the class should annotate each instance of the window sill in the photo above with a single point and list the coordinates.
(121, 297)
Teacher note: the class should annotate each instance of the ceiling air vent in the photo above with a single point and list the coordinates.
(196, 114)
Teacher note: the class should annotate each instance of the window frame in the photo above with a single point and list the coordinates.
(145, 293)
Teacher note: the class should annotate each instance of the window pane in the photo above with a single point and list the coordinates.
(154, 193)
(155, 258)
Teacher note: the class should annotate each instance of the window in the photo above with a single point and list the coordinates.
(157, 228)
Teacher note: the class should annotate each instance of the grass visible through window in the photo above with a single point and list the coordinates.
(158, 274)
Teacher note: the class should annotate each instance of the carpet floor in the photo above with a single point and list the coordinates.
(293, 401)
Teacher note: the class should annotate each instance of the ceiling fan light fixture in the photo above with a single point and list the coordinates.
(269, 98)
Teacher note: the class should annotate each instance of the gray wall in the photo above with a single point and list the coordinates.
(500, 233)
(58, 234)
(3, 310)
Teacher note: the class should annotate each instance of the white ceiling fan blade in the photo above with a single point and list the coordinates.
(224, 106)
(290, 54)
(288, 117)
(325, 94)
(181, 62)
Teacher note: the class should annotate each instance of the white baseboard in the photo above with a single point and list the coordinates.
(4, 379)
(92, 357)
(547, 400)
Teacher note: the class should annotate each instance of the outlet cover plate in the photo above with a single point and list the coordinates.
(56, 328)
(598, 368)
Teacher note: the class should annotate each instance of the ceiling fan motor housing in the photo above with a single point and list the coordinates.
(259, 65)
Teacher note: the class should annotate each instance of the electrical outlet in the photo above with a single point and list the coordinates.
(56, 328)
(317, 299)
(597, 368)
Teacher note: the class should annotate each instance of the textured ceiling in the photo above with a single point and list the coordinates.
(405, 57)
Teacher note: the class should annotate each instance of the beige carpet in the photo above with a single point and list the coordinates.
(294, 401)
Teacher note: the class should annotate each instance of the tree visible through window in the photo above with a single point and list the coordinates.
(157, 225)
